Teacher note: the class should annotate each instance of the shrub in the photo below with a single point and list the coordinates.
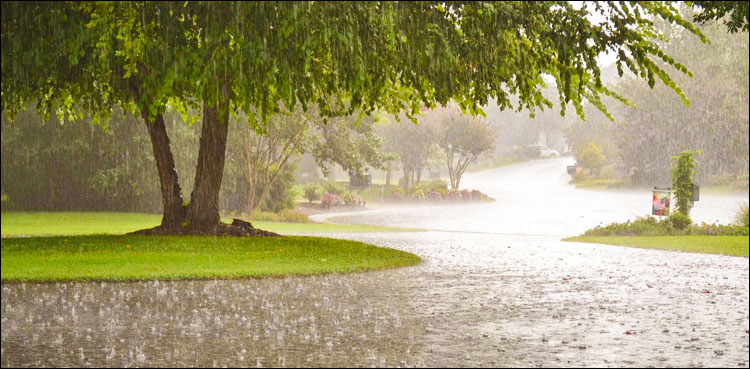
(743, 217)
(719, 230)
(680, 221)
(647, 226)
(650, 226)
(397, 196)
(592, 157)
(351, 198)
(434, 196)
(453, 195)
(281, 194)
(418, 195)
(380, 192)
(466, 195)
(476, 195)
(329, 200)
(312, 192)
(683, 168)
(431, 185)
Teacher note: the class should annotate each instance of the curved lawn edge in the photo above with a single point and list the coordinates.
(49, 224)
(719, 245)
(143, 258)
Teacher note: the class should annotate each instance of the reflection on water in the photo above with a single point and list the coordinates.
(272, 322)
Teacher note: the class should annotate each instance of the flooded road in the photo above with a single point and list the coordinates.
(534, 198)
(496, 288)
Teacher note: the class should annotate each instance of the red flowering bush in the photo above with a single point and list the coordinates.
(329, 200)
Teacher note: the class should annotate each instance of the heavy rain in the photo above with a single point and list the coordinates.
(324, 184)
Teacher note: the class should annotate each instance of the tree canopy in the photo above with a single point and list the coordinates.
(341, 56)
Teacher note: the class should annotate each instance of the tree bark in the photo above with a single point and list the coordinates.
(171, 194)
(203, 212)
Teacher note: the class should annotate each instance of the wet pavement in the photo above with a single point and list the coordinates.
(496, 288)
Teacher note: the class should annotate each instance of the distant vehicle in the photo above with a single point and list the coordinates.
(541, 151)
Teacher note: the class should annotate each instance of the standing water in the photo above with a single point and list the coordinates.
(497, 288)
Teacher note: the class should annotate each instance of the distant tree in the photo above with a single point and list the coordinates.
(412, 143)
(592, 157)
(77, 166)
(224, 57)
(716, 122)
(462, 138)
(268, 154)
(338, 140)
(349, 142)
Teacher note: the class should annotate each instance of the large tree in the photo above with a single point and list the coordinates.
(224, 57)
(463, 138)
(413, 144)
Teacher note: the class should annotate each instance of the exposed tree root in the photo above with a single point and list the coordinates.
(238, 228)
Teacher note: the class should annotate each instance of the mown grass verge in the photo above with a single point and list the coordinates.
(723, 245)
(16, 224)
(124, 258)
(601, 184)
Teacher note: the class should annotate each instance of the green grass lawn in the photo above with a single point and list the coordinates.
(600, 184)
(187, 257)
(16, 224)
(723, 245)
(94, 248)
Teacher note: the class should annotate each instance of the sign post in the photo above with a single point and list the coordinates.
(660, 201)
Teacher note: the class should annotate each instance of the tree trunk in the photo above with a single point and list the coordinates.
(202, 215)
(252, 174)
(407, 177)
(388, 175)
(171, 195)
(203, 212)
